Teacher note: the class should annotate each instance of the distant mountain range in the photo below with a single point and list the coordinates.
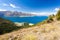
(15, 14)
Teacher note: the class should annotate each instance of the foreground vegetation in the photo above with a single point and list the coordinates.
(7, 26)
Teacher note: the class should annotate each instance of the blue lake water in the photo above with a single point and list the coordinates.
(33, 20)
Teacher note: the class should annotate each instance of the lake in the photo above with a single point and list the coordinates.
(34, 20)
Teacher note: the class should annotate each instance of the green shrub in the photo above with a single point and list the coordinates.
(58, 15)
(50, 19)
(25, 25)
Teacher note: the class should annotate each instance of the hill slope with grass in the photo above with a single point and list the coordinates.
(46, 30)
(7, 26)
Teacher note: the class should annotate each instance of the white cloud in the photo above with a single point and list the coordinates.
(13, 6)
(56, 9)
(46, 13)
(4, 4)
(9, 5)
(42, 13)
(3, 10)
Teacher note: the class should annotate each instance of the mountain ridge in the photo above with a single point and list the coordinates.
(15, 14)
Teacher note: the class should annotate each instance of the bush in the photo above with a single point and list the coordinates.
(58, 15)
(50, 19)
(25, 25)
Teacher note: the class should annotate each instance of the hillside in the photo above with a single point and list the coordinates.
(46, 30)
(49, 31)
(7, 26)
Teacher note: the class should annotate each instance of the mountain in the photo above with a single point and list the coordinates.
(14, 14)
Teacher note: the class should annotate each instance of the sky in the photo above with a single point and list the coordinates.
(38, 7)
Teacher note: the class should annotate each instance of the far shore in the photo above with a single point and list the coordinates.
(22, 23)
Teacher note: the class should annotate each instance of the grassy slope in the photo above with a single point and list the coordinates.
(49, 31)
(7, 26)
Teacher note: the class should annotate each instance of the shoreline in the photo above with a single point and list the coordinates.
(22, 23)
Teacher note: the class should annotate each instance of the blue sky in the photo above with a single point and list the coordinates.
(40, 7)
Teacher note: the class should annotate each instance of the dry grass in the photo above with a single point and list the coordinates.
(29, 37)
(49, 31)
